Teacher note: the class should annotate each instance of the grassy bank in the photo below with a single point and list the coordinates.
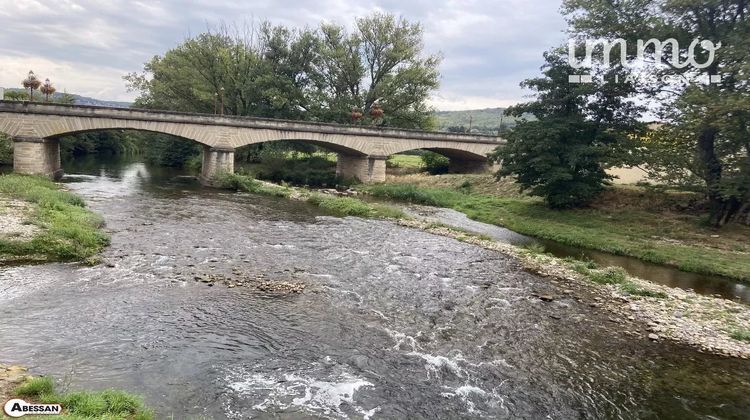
(64, 229)
(648, 232)
(108, 404)
(340, 206)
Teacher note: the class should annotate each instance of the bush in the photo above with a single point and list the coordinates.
(435, 164)
(411, 194)
(311, 171)
(6, 150)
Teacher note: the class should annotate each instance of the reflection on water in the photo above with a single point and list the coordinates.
(668, 276)
(394, 322)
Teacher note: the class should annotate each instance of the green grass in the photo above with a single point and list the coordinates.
(68, 230)
(107, 404)
(248, 184)
(741, 335)
(633, 289)
(36, 387)
(621, 231)
(608, 275)
(340, 206)
(611, 275)
(405, 161)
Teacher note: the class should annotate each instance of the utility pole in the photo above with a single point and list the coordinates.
(471, 121)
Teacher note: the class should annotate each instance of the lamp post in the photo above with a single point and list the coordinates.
(31, 83)
(216, 103)
(222, 100)
(47, 89)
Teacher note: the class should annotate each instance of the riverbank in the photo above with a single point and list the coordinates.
(652, 225)
(340, 206)
(709, 324)
(15, 382)
(41, 222)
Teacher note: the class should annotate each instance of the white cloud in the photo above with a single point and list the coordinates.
(86, 46)
(96, 81)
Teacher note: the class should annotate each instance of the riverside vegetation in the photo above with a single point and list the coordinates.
(60, 228)
(107, 404)
(658, 226)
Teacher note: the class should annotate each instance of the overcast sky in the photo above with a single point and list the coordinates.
(86, 46)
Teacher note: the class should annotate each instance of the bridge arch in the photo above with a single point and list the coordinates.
(462, 159)
(362, 150)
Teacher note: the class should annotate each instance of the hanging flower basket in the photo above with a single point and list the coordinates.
(376, 112)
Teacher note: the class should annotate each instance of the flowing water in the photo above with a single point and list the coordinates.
(393, 323)
(669, 276)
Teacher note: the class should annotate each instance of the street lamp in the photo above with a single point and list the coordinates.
(216, 103)
(222, 100)
(31, 83)
(47, 89)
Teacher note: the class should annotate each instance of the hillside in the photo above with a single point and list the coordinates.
(78, 99)
(487, 121)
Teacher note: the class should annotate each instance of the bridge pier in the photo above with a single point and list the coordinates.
(365, 168)
(216, 160)
(37, 156)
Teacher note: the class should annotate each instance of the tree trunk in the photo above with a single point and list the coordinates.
(721, 209)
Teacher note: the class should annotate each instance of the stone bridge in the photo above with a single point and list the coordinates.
(362, 151)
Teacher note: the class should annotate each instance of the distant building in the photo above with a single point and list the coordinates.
(2, 93)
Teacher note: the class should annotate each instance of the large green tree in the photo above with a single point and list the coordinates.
(579, 130)
(321, 74)
(705, 134)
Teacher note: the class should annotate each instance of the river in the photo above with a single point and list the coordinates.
(393, 322)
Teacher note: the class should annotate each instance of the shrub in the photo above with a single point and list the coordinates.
(435, 164)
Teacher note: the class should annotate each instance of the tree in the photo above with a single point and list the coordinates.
(381, 63)
(579, 130)
(320, 75)
(705, 134)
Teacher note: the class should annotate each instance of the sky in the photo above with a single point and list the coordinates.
(86, 46)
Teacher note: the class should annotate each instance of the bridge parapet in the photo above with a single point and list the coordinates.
(134, 114)
(362, 149)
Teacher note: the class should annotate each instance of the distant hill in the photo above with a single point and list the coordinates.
(79, 100)
(84, 100)
(485, 121)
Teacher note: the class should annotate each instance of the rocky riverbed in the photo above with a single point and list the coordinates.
(683, 316)
(394, 320)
